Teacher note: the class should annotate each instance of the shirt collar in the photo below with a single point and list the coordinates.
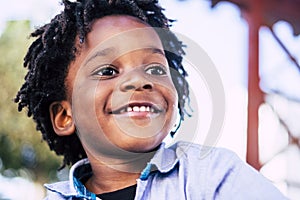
(164, 160)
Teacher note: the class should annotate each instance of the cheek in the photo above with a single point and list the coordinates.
(172, 98)
(83, 108)
(91, 124)
(88, 98)
(170, 92)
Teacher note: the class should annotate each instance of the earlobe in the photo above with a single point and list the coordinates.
(61, 118)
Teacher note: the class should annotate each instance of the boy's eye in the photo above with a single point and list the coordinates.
(106, 71)
(156, 69)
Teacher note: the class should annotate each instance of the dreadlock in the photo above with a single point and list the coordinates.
(49, 56)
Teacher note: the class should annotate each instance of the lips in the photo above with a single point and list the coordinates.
(137, 108)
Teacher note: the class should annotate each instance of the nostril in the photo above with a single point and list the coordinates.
(129, 87)
(136, 86)
(147, 87)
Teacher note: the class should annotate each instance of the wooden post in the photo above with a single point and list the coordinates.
(255, 95)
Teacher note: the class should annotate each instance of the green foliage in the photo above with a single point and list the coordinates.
(21, 146)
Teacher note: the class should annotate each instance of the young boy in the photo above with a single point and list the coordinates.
(104, 86)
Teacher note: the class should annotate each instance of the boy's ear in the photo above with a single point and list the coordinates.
(61, 118)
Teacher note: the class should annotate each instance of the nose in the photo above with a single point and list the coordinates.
(135, 82)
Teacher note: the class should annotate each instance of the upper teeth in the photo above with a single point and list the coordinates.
(138, 109)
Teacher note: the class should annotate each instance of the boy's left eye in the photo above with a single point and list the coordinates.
(156, 69)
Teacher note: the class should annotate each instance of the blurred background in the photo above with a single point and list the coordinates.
(223, 30)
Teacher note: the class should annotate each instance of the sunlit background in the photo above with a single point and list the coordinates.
(223, 34)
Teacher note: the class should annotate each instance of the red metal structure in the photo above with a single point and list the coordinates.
(260, 13)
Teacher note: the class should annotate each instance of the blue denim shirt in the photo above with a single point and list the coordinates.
(183, 171)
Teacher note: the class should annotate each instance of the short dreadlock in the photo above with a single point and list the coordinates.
(49, 56)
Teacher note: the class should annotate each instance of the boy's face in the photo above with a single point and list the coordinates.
(120, 90)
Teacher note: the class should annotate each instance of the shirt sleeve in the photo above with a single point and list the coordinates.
(241, 181)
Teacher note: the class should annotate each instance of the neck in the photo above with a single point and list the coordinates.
(114, 174)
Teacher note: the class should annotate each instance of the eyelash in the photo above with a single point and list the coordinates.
(156, 66)
(155, 69)
(102, 69)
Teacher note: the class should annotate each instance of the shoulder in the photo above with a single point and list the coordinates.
(212, 164)
(59, 190)
(222, 164)
(54, 196)
(209, 161)
(196, 152)
(221, 173)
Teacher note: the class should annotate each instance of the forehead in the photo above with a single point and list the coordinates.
(122, 31)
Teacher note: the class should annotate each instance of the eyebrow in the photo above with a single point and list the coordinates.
(101, 53)
(112, 50)
(156, 50)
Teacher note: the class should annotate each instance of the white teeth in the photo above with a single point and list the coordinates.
(142, 109)
(139, 109)
(136, 109)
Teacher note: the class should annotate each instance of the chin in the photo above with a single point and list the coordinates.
(143, 146)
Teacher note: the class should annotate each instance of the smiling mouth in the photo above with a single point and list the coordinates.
(137, 108)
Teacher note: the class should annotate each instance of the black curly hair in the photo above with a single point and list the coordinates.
(49, 56)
